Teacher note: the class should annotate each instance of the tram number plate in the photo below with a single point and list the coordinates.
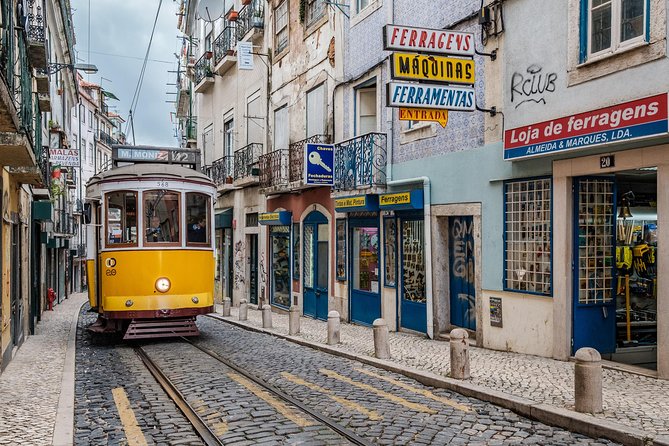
(163, 184)
(607, 161)
(110, 272)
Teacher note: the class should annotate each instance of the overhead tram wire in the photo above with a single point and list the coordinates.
(138, 88)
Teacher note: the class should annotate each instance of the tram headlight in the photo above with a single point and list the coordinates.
(163, 284)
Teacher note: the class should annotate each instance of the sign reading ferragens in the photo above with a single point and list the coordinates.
(436, 41)
(629, 120)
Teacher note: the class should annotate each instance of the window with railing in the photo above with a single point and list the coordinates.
(221, 170)
(360, 162)
(274, 169)
(296, 155)
(202, 69)
(246, 160)
(224, 45)
(251, 16)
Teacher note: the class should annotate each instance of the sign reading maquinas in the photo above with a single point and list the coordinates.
(432, 68)
(401, 94)
(629, 120)
(421, 40)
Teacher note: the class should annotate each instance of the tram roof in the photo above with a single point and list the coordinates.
(148, 170)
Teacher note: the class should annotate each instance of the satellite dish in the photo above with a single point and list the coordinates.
(210, 10)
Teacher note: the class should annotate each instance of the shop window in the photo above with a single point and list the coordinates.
(281, 27)
(121, 219)
(161, 213)
(280, 276)
(366, 259)
(340, 230)
(413, 261)
(296, 251)
(527, 231)
(322, 253)
(610, 26)
(198, 219)
(390, 254)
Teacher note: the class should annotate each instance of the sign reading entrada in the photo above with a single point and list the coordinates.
(436, 41)
(402, 94)
(630, 120)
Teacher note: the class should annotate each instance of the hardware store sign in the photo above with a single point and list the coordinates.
(630, 120)
(418, 67)
(403, 94)
(435, 41)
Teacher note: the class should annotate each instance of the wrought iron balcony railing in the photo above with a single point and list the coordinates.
(246, 160)
(105, 109)
(224, 45)
(221, 170)
(44, 168)
(106, 138)
(360, 162)
(296, 155)
(81, 250)
(64, 223)
(250, 16)
(274, 169)
(202, 69)
(35, 18)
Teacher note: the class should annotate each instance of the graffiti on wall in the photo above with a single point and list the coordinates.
(463, 274)
(263, 271)
(239, 264)
(532, 86)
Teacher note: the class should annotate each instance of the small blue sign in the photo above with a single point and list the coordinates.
(319, 165)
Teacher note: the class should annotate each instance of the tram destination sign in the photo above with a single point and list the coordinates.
(630, 120)
(443, 97)
(423, 40)
(153, 155)
(418, 67)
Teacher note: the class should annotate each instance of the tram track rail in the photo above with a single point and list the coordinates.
(201, 427)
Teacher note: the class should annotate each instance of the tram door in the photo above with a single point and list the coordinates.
(316, 278)
(253, 270)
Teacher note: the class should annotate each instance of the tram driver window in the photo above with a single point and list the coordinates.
(161, 216)
(197, 218)
(121, 218)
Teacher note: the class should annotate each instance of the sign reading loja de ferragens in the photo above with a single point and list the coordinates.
(629, 120)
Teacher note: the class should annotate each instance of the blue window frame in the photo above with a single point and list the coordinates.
(390, 252)
(340, 233)
(528, 240)
(611, 26)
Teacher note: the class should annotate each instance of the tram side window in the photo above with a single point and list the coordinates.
(161, 216)
(197, 217)
(122, 218)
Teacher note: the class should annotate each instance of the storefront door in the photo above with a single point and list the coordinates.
(316, 277)
(594, 248)
(413, 311)
(16, 298)
(253, 269)
(364, 284)
(280, 266)
(462, 273)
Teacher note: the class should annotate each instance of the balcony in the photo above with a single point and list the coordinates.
(296, 157)
(246, 165)
(224, 49)
(204, 76)
(360, 163)
(64, 225)
(274, 174)
(106, 138)
(221, 171)
(105, 109)
(251, 21)
(81, 250)
(35, 25)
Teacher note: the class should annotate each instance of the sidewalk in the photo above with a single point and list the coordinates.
(632, 402)
(37, 387)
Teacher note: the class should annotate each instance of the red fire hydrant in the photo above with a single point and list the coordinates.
(51, 298)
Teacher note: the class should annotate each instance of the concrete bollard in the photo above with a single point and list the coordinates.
(588, 381)
(381, 344)
(333, 327)
(243, 310)
(459, 354)
(266, 316)
(294, 320)
(226, 306)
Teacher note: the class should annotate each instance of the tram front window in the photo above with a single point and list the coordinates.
(161, 216)
(197, 217)
(122, 218)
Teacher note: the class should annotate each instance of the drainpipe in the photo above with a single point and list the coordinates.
(428, 243)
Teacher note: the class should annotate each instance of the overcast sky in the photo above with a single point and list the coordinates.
(119, 36)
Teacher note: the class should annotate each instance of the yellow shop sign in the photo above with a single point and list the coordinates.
(424, 114)
(268, 216)
(418, 67)
(351, 202)
(394, 199)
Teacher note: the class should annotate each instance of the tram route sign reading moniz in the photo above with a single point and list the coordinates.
(151, 154)
(423, 40)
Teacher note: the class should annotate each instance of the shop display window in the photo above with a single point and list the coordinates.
(296, 251)
(527, 232)
(390, 253)
(366, 259)
(280, 240)
(122, 218)
(341, 248)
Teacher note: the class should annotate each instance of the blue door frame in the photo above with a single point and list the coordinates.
(316, 295)
(412, 295)
(364, 306)
(594, 299)
(462, 272)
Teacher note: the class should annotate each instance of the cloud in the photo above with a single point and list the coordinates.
(123, 28)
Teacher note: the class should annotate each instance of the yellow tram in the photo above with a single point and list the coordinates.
(150, 259)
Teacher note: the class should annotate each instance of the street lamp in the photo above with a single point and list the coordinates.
(55, 67)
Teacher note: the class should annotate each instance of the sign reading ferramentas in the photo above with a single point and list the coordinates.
(629, 120)
(422, 40)
(445, 97)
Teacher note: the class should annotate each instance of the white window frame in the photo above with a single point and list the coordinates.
(616, 44)
(359, 7)
(229, 135)
(358, 92)
(313, 107)
(314, 7)
(286, 28)
(284, 129)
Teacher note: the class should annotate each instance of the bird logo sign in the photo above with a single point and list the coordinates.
(319, 164)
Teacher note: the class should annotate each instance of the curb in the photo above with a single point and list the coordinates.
(555, 416)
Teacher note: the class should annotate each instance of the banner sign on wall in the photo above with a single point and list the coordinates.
(319, 164)
(445, 97)
(245, 56)
(422, 40)
(64, 157)
(629, 120)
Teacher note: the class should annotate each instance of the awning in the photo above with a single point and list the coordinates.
(42, 210)
(357, 203)
(109, 95)
(281, 218)
(401, 201)
(223, 218)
